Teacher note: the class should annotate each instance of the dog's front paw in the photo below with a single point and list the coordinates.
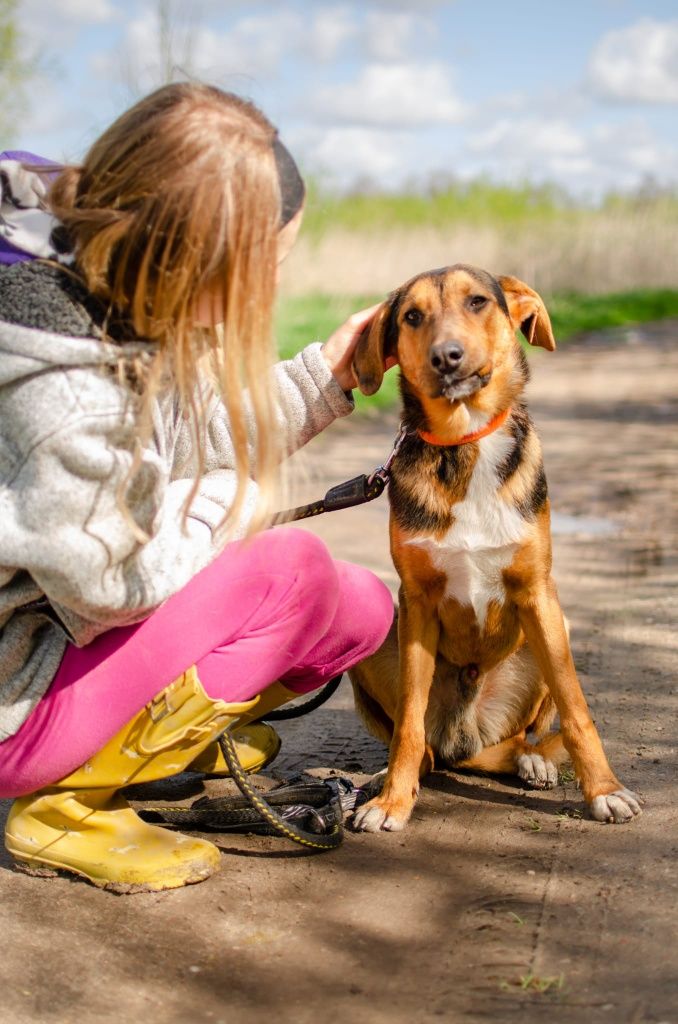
(537, 772)
(617, 807)
(380, 815)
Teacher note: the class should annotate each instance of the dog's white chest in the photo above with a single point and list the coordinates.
(483, 539)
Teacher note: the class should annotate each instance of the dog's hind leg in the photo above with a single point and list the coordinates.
(537, 765)
(375, 682)
(373, 716)
(499, 759)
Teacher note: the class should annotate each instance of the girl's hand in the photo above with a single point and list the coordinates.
(339, 348)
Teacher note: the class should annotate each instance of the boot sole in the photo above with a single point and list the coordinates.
(41, 869)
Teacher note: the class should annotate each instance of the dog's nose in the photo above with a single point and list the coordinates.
(446, 356)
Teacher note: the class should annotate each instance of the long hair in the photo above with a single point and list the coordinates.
(179, 198)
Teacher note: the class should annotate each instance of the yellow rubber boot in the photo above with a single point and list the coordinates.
(256, 743)
(84, 826)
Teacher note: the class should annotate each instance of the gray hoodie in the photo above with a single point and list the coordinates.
(70, 565)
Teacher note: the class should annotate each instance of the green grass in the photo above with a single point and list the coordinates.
(308, 318)
(574, 314)
(534, 983)
(446, 203)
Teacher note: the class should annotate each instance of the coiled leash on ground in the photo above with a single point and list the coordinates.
(312, 813)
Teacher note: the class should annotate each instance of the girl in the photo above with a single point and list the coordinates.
(137, 410)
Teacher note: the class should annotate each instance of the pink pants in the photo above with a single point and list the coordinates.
(276, 607)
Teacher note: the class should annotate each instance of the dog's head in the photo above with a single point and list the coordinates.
(450, 330)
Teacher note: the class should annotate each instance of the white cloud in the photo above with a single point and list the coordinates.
(533, 148)
(523, 138)
(51, 26)
(632, 152)
(392, 95)
(84, 12)
(347, 154)
(330, 29)
(420, 4)
(638, 63)
(394, 38)
(253, 47)
(592, 161)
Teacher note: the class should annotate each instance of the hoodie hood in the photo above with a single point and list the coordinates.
(48, 320)
(26, 350)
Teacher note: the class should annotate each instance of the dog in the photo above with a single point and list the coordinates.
(478, 657)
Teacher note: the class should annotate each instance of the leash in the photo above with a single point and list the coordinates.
(357, 491)
(297, 710)
(310, 814)
(366, 487)
(315, 807)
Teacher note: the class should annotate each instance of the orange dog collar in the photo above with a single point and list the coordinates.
(494, 424)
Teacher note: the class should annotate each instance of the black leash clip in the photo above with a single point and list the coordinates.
(351, 492)
(357, 491)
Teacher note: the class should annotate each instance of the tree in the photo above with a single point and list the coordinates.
(15, 70)
(169, 56)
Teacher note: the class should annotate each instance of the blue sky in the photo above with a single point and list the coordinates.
(584, 94)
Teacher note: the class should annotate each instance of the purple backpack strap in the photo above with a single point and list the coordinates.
(10, 253)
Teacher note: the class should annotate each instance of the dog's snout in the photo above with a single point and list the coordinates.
(446, 356)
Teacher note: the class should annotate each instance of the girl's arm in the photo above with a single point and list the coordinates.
(313, 389)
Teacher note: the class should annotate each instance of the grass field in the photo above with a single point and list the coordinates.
(306, 318)
(369, 242)
(477, 202)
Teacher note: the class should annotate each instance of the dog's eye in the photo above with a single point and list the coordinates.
(413, 317)
(477, 302)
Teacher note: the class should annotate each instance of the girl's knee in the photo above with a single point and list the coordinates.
(295, 554)
(367, 607)
(289, 550)
(305, 557)
(305, 560)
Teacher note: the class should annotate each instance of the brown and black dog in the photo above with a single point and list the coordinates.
(479, 655)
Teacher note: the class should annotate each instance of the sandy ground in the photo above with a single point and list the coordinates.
(498, 903)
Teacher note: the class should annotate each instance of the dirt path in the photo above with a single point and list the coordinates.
(491, 884)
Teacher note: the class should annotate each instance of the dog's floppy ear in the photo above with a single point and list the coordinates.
(374, 345)
(528, 312)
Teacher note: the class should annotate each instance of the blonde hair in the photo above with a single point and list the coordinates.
(179, 197)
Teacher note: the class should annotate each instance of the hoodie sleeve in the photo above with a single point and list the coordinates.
(310, 397)
(308, 400)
